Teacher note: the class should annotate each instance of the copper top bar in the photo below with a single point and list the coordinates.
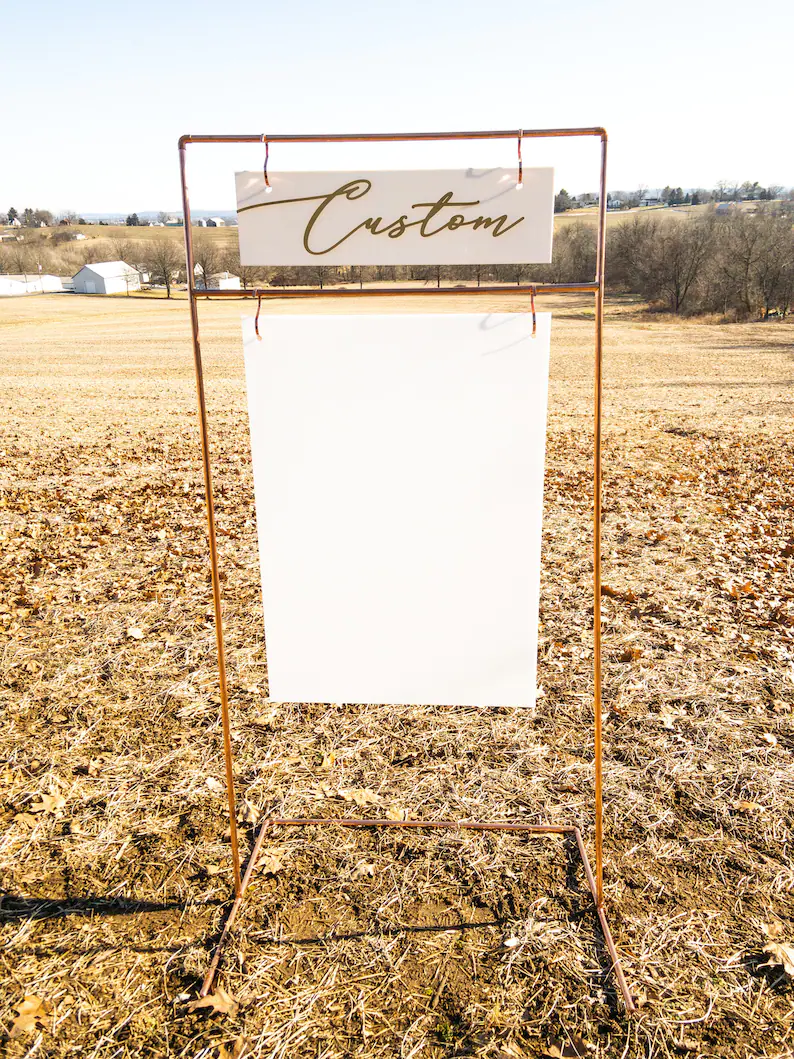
(386, 137)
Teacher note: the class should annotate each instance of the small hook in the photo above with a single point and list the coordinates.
(256, 318)
(520, 181)
(534, 316)
(268, 188)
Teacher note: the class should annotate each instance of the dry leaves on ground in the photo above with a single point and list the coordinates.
(31, 1015)
(218, 1002)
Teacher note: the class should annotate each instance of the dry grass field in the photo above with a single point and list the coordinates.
(224, 238)
(114, 855)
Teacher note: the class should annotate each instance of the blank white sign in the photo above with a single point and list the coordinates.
(398, 468)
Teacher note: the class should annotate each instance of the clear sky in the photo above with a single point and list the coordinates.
(97, 93)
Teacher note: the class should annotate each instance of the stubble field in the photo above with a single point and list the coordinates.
(114, 855)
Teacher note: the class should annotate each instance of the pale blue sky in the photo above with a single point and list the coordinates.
(97, 93)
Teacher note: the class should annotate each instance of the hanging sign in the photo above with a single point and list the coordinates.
(412, 217)
(398, 472)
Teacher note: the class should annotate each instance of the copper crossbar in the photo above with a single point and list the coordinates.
(595, 880)
(388, 292)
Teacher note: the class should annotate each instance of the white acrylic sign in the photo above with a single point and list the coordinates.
(414, 217)
(398, 470)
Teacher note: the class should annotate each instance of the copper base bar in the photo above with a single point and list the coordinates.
(475, 825)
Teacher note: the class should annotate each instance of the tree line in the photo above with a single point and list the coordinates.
(738, 264)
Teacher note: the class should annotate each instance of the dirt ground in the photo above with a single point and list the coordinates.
(114, 855)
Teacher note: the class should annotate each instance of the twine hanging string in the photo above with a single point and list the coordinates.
(534, 316)
(256, 318)
(520, 181)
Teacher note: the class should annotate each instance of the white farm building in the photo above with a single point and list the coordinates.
(30, 284)
(224, 281)
(107, 277)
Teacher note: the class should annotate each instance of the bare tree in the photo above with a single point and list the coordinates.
(772, 272)
(123, 249)
(19, 258)
(207, 260)
(629, 255)
(250, 275)
(680, 250)
(163, 261)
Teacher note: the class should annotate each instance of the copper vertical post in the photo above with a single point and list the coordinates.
(216, 581)
(599, 333)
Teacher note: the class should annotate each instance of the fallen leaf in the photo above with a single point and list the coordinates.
(363, 870)
(630, 654)
(249, 814)
(271, 863)
(397, 812)
(615, 593)
(360, 795)
(31, 1015)
(218, 1003)
(233, 1049)
(264, 720)
(214, 785)
(774, 929)
(781, 953)
(328, 761)
(50, 803)
(95, 764)
(737, 591)
(769, 738)
(667, 719)
(135, 633)
(743, 806)
(28, 819)
(573, 1048)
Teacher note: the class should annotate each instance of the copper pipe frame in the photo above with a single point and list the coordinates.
(595, 882)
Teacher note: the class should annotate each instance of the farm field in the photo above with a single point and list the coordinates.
(115, 867)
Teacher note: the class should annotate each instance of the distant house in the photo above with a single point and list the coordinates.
(200, 223)
(224, 281)
(724, 207)
(216, 222)
(650, 200)
(107, 277)
(614, 204)
(217, 281)
(15, 222)
(174, 222)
